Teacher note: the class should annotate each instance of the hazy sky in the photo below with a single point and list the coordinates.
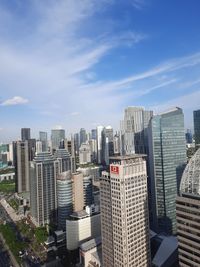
(79, 63)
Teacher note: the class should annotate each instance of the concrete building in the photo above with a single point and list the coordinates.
(116, 144)
(188, 214)
(57, 135)
(83, 136)
(84, 153)
(81, 227)
(78, 192)
(64, 159)
(124, 213)
(93, 149)
(25, 134)
(196, 116)
(21, 163)
(64, 198)
(38, 146)
(43, 201)
(107, 144)
(167, 161)
(31, 149)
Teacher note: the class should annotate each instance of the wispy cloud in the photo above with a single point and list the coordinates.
(16, 100)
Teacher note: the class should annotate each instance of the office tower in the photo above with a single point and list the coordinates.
(124, 213)
(21, 162)
(167, 161)
(44, 140)
(84, 154)
(188, 214)
(31, 149)
(43, 200)
(94, 134)
(88, 190)
(107, 144)
(83, 136)
(38, 146)
(196, 115)
(57, 135)
(116, 144)
(99, 144)
(64, 198)
(93, 149)
(134, 130)
(25, 134)
(188, 136)
(76, 143)
(64, 159)
(78, 192)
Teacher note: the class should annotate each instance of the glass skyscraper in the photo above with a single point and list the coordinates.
(167, 160)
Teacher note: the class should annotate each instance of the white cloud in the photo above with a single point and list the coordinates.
(16, 100)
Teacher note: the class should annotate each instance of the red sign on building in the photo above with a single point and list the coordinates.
(114, 169)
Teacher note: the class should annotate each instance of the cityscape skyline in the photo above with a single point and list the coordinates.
(57, 69)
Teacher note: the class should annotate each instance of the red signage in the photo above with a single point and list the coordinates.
(114, 169)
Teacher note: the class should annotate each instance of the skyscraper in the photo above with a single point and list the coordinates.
(21, 163)
(25, 134)
(196, 114)
(57, 135)
(44, 140)
(134, 130)
(107, 144)
(31, 149)
(43, 201)
(99, 144)
(124, 213)
(64, 198)
(64, 159)
(83, 136)
(167, 161)
(188, 214)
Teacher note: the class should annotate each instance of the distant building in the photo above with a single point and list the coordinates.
(57, 135)
(43, 200)
(116, 144)
(64, 159)
(99, 144)
(84, 153)
(21, 162)
(83, 136)
(188, 137)
(31, 149)
(94, 134)
(167, 161)
(196, 115)
(188, 214)
(25, 134)
(38, 146)
(107, 144)
(78, 192)
(124, 213)
(44, 140)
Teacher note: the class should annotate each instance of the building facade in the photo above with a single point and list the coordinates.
(167, 161)
(57, 135)
(188, 214)
(196, 116)
(25, 134)
(124, 213)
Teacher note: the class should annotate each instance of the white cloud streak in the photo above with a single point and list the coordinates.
(16, 100)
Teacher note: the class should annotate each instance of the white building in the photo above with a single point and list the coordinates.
(99, 143)
(124, 213)
(84, 153)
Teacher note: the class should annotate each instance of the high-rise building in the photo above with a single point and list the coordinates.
(94, 134)
(43, 201)
(64, 198)
(188, 136)
(25, 134)
(57, 135)
(76, 143)
(124, 213)
(167, 162)
(31, 149)
(78, 192)
(107, 144)
(83, 136)
(38, 146)
(188, 214)
(93, 149)
(134, 130)
(196, 115)
(84, 153)
(44, 140)
(99, 144)
(64, 159)
(116, 144)
(21, 162)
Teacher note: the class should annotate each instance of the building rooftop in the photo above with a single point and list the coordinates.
(190, 182)
(92, 243)
(79, 214)
(126, 157)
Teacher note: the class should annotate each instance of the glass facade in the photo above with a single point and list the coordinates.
(197, 126)
(168, 158)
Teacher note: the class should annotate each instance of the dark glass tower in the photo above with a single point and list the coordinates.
(25, 134)
(196, 114)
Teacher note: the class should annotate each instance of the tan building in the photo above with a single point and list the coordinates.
(188, 214)
(78, 193)
(124, 213)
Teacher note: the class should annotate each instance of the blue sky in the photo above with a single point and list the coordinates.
(79, 63)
